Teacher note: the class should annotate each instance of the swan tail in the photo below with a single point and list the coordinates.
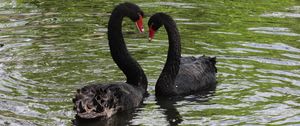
(209, 60)
(95, 101)
(213, 60)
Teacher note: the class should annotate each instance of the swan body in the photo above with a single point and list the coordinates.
(104, 100)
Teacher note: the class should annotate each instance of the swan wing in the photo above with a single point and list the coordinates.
(196, 75)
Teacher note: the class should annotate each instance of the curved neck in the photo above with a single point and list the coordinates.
(166, 79)
(133, 71)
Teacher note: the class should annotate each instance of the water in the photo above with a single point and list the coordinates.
(51, 48)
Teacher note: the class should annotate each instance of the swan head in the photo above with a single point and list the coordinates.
(154, 23)
(92, 103)
(134, 13)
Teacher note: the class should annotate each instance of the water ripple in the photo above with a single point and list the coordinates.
(13, 24)
(282, 15)
(279, 72)
(291, 56)
(172, 4)
(274, 31)
(276, 61)
(287, 90)
(273, 46)
(283, 79)
(226, 33)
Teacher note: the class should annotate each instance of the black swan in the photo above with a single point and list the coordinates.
(181, 75)
(104, 100)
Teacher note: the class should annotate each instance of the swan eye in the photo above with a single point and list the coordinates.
(139, 23)
(154, 26)
(140, 14)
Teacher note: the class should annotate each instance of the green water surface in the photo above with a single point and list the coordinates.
(51, 48)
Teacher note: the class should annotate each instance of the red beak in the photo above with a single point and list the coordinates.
(151, 33)
(139, 24)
